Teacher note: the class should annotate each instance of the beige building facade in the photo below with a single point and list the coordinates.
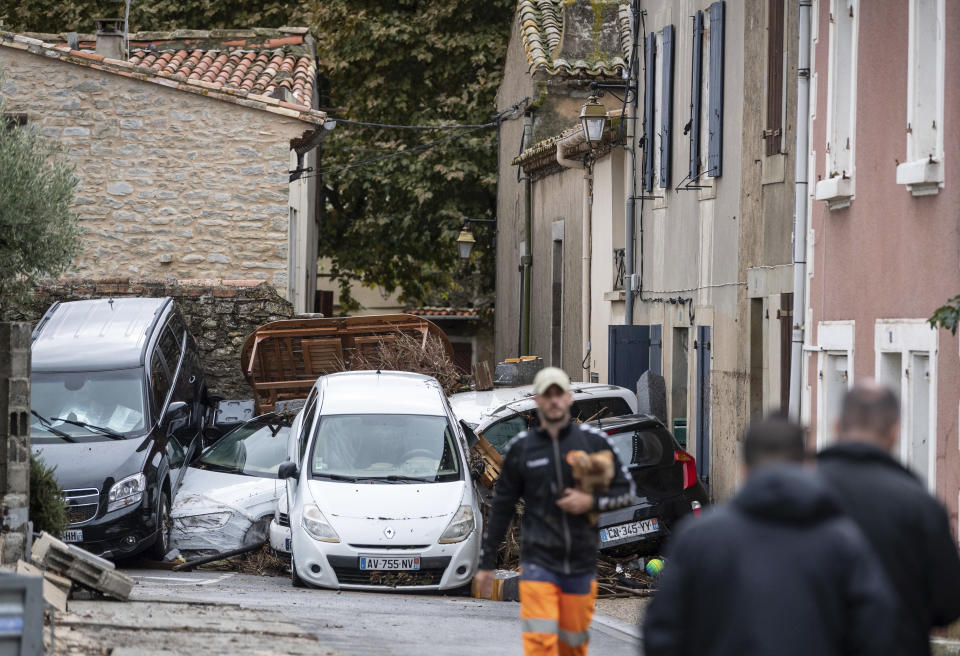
(178, 178)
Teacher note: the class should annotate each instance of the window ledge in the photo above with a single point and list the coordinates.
(838, 192)
(922, 177)
(615, 295)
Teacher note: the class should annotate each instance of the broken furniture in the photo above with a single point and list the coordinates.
(282, 360)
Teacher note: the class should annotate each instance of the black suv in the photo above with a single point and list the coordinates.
(119, 405)
(668, 487)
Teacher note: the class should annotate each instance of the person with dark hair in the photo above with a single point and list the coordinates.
(907, 527)
(779, 570)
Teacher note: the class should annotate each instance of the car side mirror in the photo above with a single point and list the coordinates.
(176, 410)
(288, 469)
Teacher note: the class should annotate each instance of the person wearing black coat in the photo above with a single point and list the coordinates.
(779, 570)
(907, 527)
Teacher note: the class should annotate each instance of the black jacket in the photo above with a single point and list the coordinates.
(909, 530)
(777, 571)
(535, 468)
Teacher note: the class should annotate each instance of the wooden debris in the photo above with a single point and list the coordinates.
(492, 462)
(482, 378)
(81, 566)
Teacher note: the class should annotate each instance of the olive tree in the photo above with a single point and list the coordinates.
(39, 233)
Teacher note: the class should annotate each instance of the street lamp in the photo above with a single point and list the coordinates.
(593, 118)
(465, 242)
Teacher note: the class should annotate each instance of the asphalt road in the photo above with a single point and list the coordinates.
(364, 623)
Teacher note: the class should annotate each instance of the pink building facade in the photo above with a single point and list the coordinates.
(883, 244)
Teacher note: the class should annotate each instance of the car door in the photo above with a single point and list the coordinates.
(160, 394)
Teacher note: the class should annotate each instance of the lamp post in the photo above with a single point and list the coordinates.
(466, 240)
(593, 118)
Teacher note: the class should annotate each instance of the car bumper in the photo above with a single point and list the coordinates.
(337, 565)
(120, 533)
(279, 539)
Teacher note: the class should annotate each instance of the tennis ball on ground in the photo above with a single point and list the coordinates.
(654, 567)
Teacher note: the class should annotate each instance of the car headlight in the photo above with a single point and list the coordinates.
(126, 492)
(317, 526)
(202, 522)
(459, 527)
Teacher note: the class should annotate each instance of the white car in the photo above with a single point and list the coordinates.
(229, 494)
(380, 491)
(499, 414)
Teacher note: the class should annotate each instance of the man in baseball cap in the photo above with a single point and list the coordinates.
(558, 586)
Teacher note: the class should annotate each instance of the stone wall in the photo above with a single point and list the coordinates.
(172, 184)
(219, 313)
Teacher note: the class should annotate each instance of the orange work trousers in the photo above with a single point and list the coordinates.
(556, 611)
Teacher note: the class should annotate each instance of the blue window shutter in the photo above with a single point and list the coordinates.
(696, 88)
(649, 91)
(715, 151)
(666, 108)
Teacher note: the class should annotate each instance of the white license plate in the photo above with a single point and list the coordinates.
(629, 531)
(397, 563)
(73, 535)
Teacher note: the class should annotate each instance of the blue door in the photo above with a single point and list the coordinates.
(628, 356)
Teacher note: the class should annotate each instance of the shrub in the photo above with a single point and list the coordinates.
(48, 510)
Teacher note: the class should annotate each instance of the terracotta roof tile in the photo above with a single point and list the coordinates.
(541, 29)
(239, 76)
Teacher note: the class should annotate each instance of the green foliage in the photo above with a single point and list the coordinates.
(394, 222)
(947, 316)
(48, 510)
(39, 234)
(78, 15)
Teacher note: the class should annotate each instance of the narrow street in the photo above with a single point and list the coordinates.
(225, 612)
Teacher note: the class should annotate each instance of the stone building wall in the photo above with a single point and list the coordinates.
(172, 184)
(219, 313)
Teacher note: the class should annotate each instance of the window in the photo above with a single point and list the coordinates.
(384, 447)
(170, 347)
(641, 447)
(159, 382)
(14, 119)
(837, 187)
(592, 409)
(922, 171)
(112, 399)
(906, 352)
(307, 419)
(556, 323)
(678, 377)
(500, 433)
(773, 132)
(254, 449)
(834, 375)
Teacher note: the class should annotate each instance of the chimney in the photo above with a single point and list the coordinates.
(110, 37)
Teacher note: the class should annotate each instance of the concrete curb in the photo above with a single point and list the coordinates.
(629, 633)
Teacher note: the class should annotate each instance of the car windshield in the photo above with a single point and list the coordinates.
(255, 449)
(110, 399)
(385, 448)
(638, 447)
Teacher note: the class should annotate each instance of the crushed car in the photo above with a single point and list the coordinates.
(229, 494)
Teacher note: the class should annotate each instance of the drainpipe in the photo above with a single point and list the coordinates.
(629, 218)
(586, 237)
(527, 260)
(800, 210)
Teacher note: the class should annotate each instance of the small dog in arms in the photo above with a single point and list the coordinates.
(592, 472)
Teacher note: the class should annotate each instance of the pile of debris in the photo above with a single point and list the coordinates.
(66, 566)
(624, 578)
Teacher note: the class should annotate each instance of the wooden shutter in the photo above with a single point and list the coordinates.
(648, 104)
(715, 145)
(666, 108)
(696, 87)
(773, 133)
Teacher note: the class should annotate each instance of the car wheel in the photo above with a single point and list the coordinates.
(161, 546)
(294, 577)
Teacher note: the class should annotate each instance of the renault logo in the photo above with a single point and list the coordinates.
(389, 533)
